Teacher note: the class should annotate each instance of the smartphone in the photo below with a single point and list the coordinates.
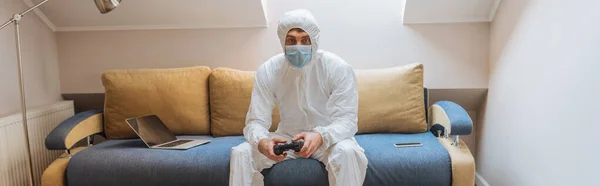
(416, 144)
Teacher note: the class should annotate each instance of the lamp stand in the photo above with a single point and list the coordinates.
(104, 6)
(16, 19)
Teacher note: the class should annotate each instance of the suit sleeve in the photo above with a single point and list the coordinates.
(342, 107)
(258, 118)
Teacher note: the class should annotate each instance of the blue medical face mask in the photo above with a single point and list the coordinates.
(298, 55)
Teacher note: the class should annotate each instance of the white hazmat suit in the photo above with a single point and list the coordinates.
(319, 97)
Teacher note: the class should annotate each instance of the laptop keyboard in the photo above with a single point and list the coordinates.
(175, 143)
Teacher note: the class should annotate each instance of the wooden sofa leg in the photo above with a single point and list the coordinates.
(54, 175)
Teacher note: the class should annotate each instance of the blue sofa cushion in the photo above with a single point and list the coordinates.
(298, 172)
(130, 162)
(388, 165)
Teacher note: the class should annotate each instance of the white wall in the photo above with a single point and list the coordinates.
(40, 61)
(368, 34)
(540, 122)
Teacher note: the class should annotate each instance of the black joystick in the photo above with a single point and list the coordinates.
(282, 147)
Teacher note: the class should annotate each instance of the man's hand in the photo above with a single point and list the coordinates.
(312, 142)
(265, 146)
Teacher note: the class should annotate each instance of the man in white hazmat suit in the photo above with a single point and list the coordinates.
(318, 101)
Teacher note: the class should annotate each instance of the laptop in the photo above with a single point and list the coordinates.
(156, 135)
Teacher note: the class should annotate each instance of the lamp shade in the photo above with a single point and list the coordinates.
(106, 6)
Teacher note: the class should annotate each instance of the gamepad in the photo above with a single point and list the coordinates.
(278, 149)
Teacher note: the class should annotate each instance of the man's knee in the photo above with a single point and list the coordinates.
(348, 150)
(348, 147)
(242, 150)
(247, 155)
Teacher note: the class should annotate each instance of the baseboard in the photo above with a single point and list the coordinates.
(479, 181)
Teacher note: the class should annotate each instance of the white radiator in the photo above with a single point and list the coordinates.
(13, 153)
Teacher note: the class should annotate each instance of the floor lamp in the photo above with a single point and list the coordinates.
(104, 6)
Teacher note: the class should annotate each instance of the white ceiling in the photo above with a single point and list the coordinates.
(77, 15)
(82, 15)
(449, 11)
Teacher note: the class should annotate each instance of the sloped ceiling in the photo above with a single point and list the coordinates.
(82, 15)
(77, 15)
(449, 11)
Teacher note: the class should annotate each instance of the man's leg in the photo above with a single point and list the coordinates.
(345, 162)
(246, 164)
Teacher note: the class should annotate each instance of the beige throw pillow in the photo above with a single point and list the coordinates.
(230, 93)
(178, 96)
(391, 100)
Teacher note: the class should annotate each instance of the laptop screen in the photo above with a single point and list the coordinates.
(151, 129)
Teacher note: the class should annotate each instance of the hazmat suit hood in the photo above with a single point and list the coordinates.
(304, 20)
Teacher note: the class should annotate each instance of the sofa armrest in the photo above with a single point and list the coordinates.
(75, 128)
(55, 174)
(449, 118)
(462, 162)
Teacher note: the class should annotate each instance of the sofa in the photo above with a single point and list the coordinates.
(202, 103)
